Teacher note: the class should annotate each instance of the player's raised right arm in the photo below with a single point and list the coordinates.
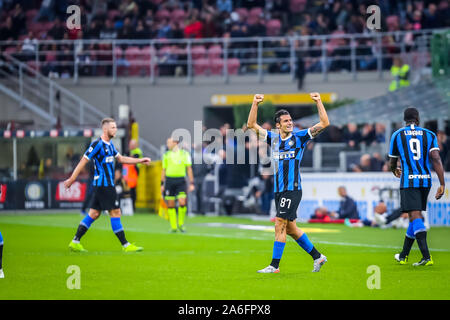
(76, 172)
(323, 117)
(253, 115)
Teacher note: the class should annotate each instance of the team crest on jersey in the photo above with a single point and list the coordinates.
(291, 143)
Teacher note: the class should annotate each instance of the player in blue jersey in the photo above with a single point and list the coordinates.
(103, 153)
(415, 147)
(2, 275)
(287, 151)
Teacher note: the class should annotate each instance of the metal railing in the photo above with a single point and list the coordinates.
(225, 57)
(51, 101)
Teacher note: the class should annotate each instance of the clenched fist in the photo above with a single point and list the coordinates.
(258, 98)
(315, 96)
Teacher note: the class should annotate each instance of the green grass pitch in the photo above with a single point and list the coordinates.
(211, 262)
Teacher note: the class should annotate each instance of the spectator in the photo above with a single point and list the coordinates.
(352, 136)
(258, 29)
(194, 28)
(368, 134)
(29, 47)
(108, 32)
(58, 30)
(9, 31)
(347, 207)
(224, 6)
(381, 218)
(365, 164)
(128, 7)
(127, 31)
(141, 32)
(46, 11)
(380, 134)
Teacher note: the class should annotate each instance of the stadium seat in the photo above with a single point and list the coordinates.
(132, 55)
(297, 6)
(162, 14)
(254, 14)
(201, 66)
(256, 11)
(30, 14)
(50, 56)
(216, 66)
(119, 54)
(273, 27)
(233, 65)
(198, 52)
(215, 51)
(112, 14)
(36, 27)
(393, 23)
(178, 15)
(10, 50)
(242, 12)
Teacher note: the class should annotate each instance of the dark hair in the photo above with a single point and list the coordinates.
(280, 113)
(411, 115)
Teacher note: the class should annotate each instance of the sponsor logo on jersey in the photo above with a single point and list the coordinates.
(109, 159)
(419, 176)
(284, 155)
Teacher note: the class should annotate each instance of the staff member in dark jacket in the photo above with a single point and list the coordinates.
(347, 207)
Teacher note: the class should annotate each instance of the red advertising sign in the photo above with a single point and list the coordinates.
(2, 193)
(75, 193)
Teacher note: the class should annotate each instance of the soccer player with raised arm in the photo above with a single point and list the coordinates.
(287, 151)
(103, 153)
(415, 147)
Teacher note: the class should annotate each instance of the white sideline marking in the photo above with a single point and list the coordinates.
(240, 235)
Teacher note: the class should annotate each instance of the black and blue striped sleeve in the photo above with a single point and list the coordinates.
(304, 135)
(93, 150)
(393, 149)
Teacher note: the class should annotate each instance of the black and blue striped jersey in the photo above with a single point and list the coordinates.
(287, 154)
(103, 154)
(412, 145)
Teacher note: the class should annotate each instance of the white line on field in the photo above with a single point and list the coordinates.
(240, 235)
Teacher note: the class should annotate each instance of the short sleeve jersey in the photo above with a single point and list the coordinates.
(412, 145)
(287, 155)
(175, 163)
(103, 154)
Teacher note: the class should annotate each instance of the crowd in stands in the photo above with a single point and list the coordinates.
(32, 20)
(142, 19)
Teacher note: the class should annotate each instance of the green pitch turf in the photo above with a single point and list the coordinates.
(212, 262)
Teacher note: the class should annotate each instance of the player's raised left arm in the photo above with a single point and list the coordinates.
(316, 129)
(132, 160)
(437, 166)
